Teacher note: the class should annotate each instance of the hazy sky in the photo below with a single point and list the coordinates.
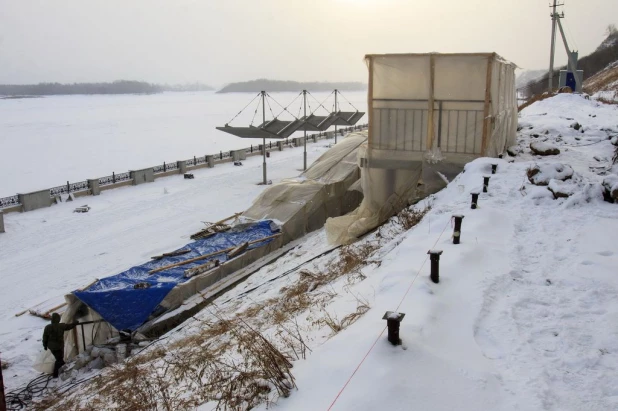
(220, 41)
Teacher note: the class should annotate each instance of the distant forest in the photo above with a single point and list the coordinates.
(116, 87)
(255, 86)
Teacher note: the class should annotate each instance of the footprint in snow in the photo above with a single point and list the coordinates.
(587, 262)
(605, 253)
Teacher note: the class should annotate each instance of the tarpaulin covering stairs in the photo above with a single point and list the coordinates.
(117, 300)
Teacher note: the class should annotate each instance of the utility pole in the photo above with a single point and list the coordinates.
(264, 138)
(336, 112)
(305, 139)
(572, 62)
(554, 16)
(2, 398)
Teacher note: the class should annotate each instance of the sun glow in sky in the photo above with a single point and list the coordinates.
(217, 42)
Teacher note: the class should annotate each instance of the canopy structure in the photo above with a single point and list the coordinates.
(278, 129)
(429, 115)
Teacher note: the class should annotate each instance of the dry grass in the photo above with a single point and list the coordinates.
(227, 362)
(534, 99)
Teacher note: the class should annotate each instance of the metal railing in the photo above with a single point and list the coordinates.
(9, 201)
(68, 188)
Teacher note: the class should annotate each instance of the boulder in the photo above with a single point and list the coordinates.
(544, 149)
(562, 189)
(109, 359)
(96, 364)
(610, 185)
(513, 151)
(542, 174)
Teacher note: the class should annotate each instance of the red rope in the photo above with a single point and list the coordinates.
(384, 329)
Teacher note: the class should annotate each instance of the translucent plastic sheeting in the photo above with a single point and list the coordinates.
(302, 204)
(429, 115)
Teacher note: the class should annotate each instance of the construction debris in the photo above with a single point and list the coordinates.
(171, 254)
(200, 269)
(214, 228)
(203, 257)
(81, 209)
(238, 250)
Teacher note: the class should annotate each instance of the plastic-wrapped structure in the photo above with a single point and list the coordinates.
(429, 115)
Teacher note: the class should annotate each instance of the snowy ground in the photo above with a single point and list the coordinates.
(49, 252)
(47, 141)
(524, 318)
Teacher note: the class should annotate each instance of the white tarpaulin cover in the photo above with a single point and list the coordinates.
(429, 115)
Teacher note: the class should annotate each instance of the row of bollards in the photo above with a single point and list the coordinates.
(393, 319)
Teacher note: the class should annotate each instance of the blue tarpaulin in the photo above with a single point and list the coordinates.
(117, 300)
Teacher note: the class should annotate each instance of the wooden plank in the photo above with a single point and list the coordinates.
(203, 257)
(430, 113)
(200, 269)
(171, 254)
(238, 250)
(486, 119)
(370, 104)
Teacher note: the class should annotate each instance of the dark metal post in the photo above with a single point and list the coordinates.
(305, 130)
(194, 160)
(164, 167)
(220, 155)
(68, 188)
(485, 183)
(335, 112)
(494, 168)
(457, 231)
(434, 257)
(393, 320)
(475, 199)
(83, 337)
(113, 177)
(2, 399)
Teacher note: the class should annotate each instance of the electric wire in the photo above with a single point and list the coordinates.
(233, 118)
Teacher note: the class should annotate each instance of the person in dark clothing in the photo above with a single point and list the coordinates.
(53, 338)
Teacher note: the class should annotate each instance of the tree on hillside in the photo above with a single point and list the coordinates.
(611, 30)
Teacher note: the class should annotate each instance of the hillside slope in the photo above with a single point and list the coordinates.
(604, 84)
(523, 317)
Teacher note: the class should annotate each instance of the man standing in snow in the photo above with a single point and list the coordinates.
(53, 338)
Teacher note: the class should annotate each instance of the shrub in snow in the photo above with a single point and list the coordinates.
(544, 149)
(610, 184)
(541, 175)
(513, 151)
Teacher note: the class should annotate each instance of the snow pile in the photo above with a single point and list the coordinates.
(544, 149)
(541, 175)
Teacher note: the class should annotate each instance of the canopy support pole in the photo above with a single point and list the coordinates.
(305, 138)
(336, 91)
(264, 138)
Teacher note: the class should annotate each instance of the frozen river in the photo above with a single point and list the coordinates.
(46, 141)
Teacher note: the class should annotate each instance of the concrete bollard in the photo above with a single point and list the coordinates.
(182, 166)
(210, 160)
(475, 200)
(434, 257)
(485, 183)
(93, 185)
(457, 231)
(494, 167)
(393, 321)
(1, 222)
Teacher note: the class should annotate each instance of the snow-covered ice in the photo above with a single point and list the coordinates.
(47, 141)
